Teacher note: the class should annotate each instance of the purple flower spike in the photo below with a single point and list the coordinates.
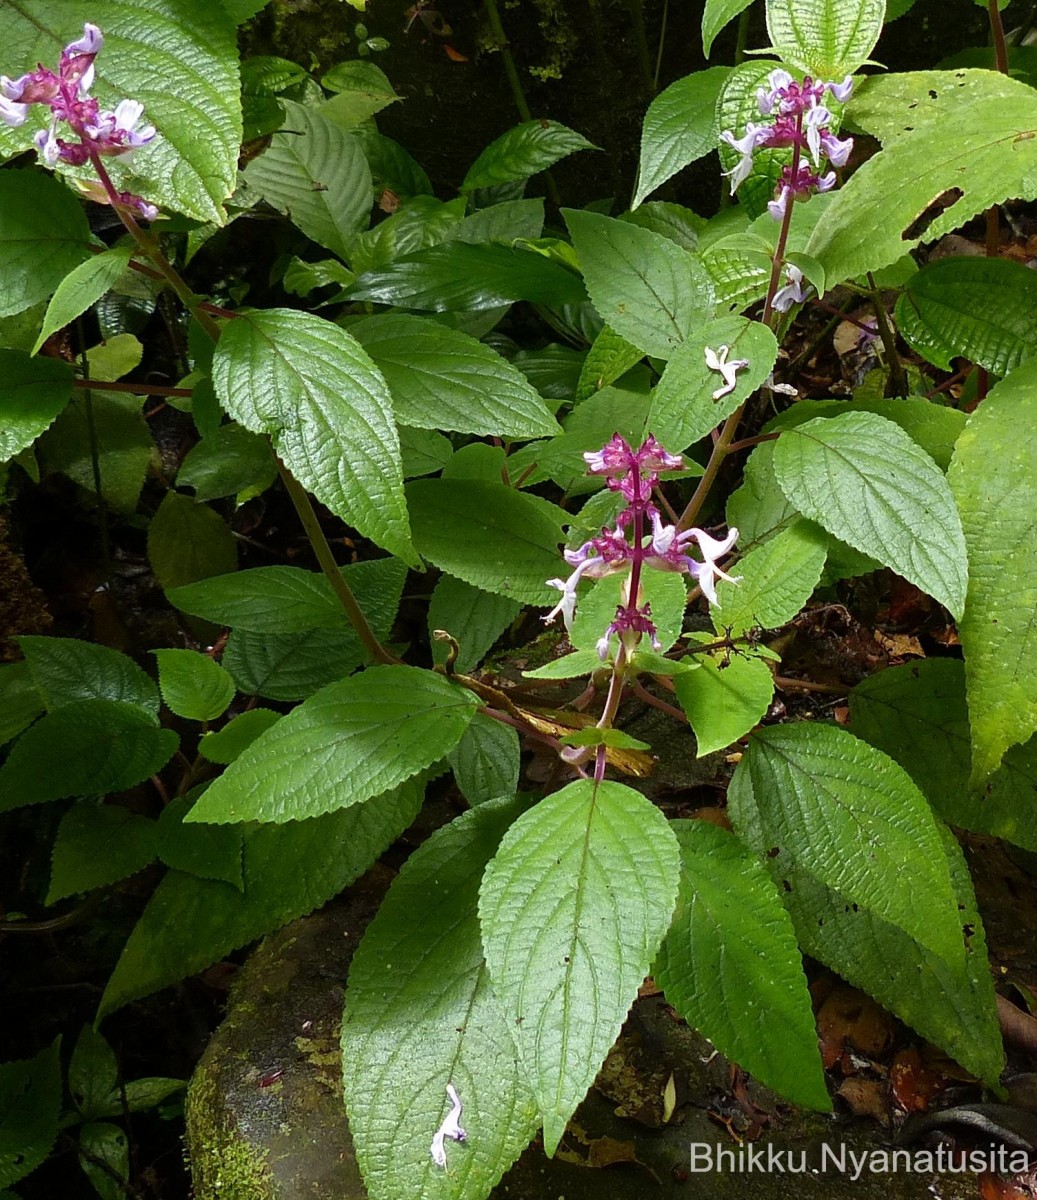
(640, 539)
(67, 95)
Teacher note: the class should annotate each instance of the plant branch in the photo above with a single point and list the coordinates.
(897, 375)
(300, 498)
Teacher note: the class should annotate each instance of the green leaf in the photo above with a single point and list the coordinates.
(290, 600)
(994, 480)
(740, 268)
(944, 133)
(475, 618)
(523, 151)
(865, 481)
(485, 761)
(846, 815)
(32, 394)
(421, 222)
(679, 128)
(289, 870)
(648, 290)
(979, 308)
(67, 670)
(81, 288)
(93, 1073)
(726, 698)
(188, 542)
(193, 685)
(349, 742)
(489, 535)
(682, 407)
(43, 232)
(98, 845)
(85, 749)
(391, 166)
(673, 221)
(363, 90)
(666, 591)
(917, 715)
(30, 1102)
(125, 446)
(20, 700)
(226, 744)
(731, 967)
(399, 1051)
(292, 666)
(313, 389)
(103, 1142)
(504, 222)
(573, 909)
(208, 851)
(826, 38)
(777, 579)
(609, 357)
(456, 276)
(443, 379)
(226, 462)
(315, 173)
(926, 422)
(951, 1005)
(715, 15)
(423, 451)
(569, 666)
(180, 62)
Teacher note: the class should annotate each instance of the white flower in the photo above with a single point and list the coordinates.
(716, 360)
(450, 1128)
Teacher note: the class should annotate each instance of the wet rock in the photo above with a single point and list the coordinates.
(265, 1120)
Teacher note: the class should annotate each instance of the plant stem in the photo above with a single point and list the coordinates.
(898, 384)
(95, 452)
(662, 43)
(137, 389)
(300, 498)
(518, 95)
(637, 19)
(997, 30)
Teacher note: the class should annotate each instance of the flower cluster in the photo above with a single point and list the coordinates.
(67, 95)
(801, 121)
(651, 543)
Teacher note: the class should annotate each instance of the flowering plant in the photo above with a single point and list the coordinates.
(669, 406)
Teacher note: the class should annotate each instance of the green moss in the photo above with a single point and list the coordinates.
(223, 1167)
(562, 39)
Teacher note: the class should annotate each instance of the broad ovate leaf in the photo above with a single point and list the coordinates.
(491, 536)
(994, 480)
(179, 60)
(43, 236)
(818, 798)
(85, 749)
(420, 1014)
(725, 698)
(350, 741)
(684, 407)
(951, 1004)
(916, 713)
(982, 309)
(826, 38)
(864, 480)
(33, 391)
(573, 909)
(442, 378)
(731, 967)
(964, 138)
(775, 580)
(679, 128)
(312, 387)
(193, 685)
(646, 288)
(523, 151)
(315, 172)
(288, 871)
